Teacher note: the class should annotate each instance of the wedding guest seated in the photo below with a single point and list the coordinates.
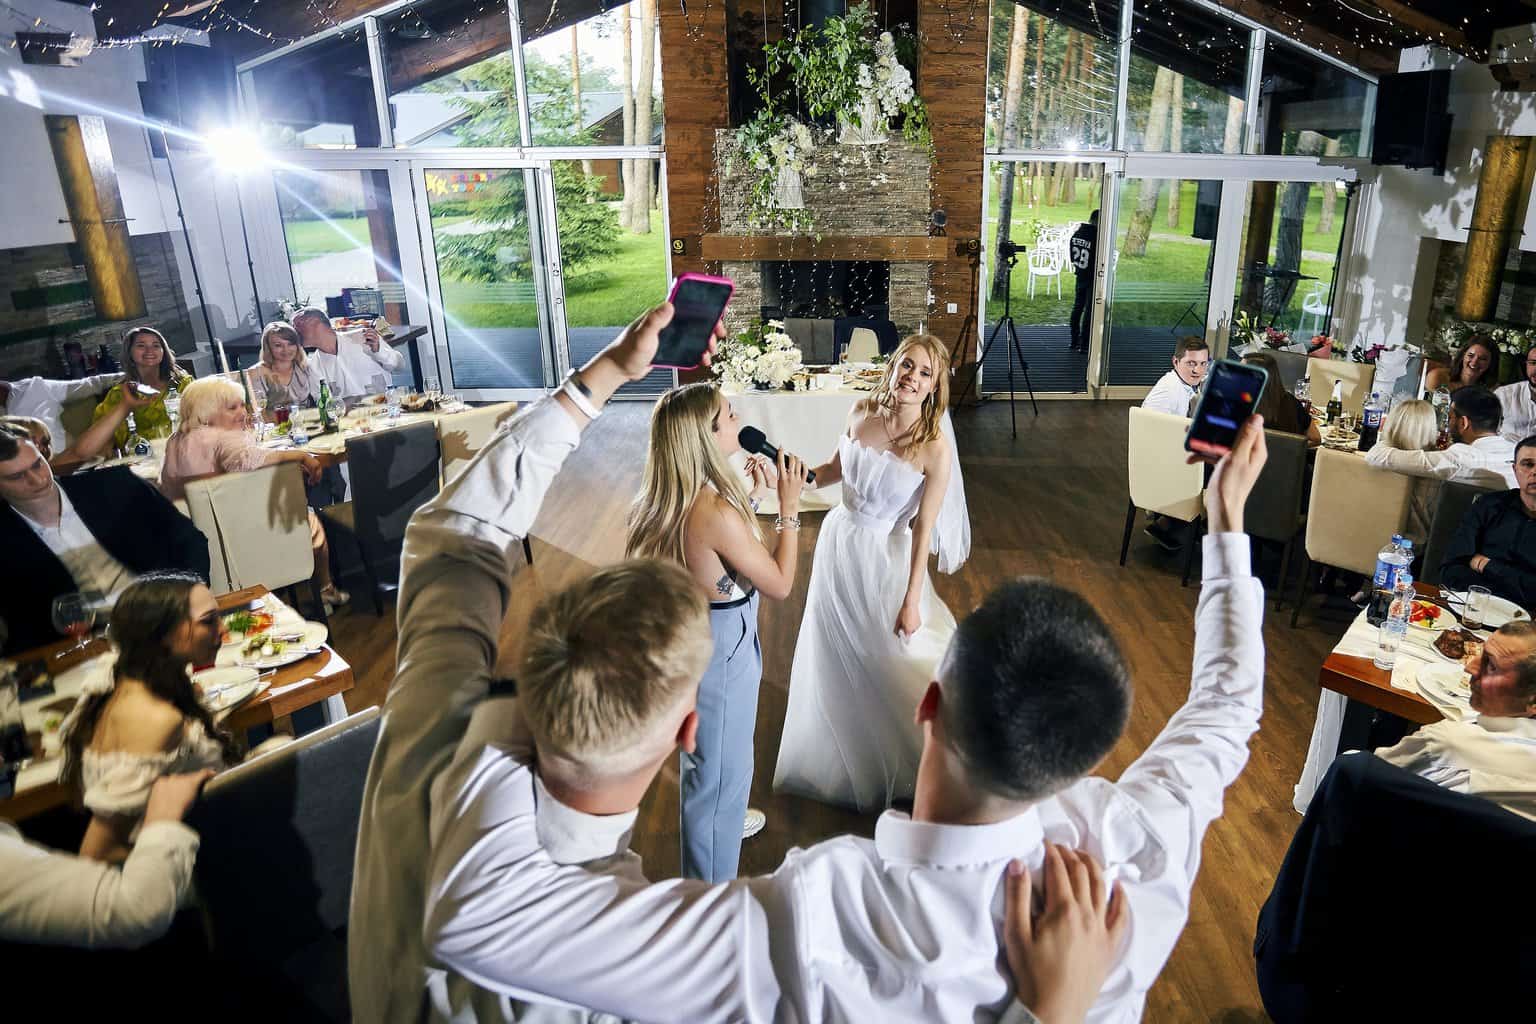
(148, 361)
(1031, 696)
(1175, 390)
(352, 369)
(93, 441)
(1519, 402)
(1412, 426)
(44, 399)
(57, 899)
(1282, 410)
(1492, 754)
(1476, 365)
(283, 377)
(91, 532)
(142, 719)
(213, 438)
(1495, 544)
(1479, 455)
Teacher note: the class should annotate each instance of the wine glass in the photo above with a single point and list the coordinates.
(431, 387)
(74, 615)
(393, 397)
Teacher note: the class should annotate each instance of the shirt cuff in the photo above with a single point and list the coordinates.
(1226, 555)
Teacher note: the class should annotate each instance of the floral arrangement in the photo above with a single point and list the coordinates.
(1511, 341)
(762, 354)
(288, 307)
(1245, 330)
(1275, 338)
(776, 146)
(1368, 355)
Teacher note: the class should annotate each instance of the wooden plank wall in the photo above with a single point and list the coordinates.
(952, 80)
(695, 80)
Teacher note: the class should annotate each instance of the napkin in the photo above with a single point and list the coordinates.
(1360, 641)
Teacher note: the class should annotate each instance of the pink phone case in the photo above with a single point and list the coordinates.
(706, 279)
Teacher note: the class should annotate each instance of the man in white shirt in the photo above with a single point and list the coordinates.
(1519, 403)
(1493, 754)
(1480, 456)
(56, 899)
(1176, 389)
(44, 399)
(904, 927)
(353, 369)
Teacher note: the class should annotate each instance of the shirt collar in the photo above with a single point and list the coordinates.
(1524, 728)
(900, 840)
(570, 836)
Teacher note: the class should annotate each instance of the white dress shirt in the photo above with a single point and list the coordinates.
(460, 551)
(1519, 410)
(57, 899)
(90, 565)
(44, 399)
(902, 928)
(1494, 758)
(1486, 462)
(1170, 394)
(355, 366)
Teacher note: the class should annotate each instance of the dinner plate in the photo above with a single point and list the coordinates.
(1448, 687)
(312, 636)
(1498, 612)
(1446, 621)
(228, 687)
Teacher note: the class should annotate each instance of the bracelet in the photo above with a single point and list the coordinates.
(780, 524)
(580, 395)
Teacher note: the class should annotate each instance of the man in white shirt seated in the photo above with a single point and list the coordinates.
(44, 399)
(56, 899)
(1176, 389)
(352, 369)
(1479, 456)
(1032, 694)
(1491, 755)
(1519, 402)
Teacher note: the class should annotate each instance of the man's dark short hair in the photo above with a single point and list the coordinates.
(1480, 406)
(1035, 690)
(1189, 343)
(11, 438)
(1525, 442)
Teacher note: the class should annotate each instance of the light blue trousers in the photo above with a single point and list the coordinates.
(716, 778)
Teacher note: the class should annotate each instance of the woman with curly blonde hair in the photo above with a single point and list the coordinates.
(874, 630)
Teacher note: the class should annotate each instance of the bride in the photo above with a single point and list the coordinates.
(874, 630)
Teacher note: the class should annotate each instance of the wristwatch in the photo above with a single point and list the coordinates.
(580, 395)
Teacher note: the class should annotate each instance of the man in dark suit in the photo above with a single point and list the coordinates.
(1495, 545)
(90, 532)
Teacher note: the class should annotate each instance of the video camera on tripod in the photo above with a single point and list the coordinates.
(1010, 250)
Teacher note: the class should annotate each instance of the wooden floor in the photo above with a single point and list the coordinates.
(1051, 503)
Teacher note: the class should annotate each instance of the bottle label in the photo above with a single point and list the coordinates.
(1372, 417)
(1386, 574)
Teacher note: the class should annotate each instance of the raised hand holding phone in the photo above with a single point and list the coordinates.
(1231, 394)
(698, 301)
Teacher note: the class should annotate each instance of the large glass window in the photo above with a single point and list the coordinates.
(1051, 74)
(317, 97)
(450, 74)
(1188, 77)
(1290, 250)
(593, 81)
(1309, 107)
(340, 230)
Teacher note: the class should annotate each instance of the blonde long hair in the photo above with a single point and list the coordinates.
(289, 333)
(682, 460)
(930, 423)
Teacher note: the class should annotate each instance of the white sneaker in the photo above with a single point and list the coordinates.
(756, 819)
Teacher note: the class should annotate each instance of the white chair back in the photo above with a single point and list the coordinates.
(863, 345)
(1160, 480)
(461, 435)
(196, 507)
(261, 522)
(1357, 378)
(1355, 508)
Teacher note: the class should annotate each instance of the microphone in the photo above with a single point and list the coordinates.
(755, 441)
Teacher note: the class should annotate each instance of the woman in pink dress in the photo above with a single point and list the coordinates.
(214, 437)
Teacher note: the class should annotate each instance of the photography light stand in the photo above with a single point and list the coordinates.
(1010, 255)
(250, 261)
(197, 280)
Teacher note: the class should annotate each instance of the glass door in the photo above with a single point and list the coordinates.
(1290, 250)
(493, 276)
(1162, 265)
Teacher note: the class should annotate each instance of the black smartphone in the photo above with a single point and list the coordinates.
(1231, 394)
(697, 300)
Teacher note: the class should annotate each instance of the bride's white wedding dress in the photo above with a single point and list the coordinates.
(849, 735)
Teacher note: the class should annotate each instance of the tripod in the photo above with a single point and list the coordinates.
(1014, 349)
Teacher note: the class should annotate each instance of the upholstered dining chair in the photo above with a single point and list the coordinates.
(461, 435)
(1274, 510)
(1454, 501)
(257, 524)
(863, 346)
(1357, 378)
(1159, 479)
(1355, 508)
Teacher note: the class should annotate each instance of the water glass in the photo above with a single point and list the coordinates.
(1477, 607)
(1388, 640)
(431, 387)
(392, 399)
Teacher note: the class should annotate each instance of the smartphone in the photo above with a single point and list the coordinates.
(144, 390)
(1231, 394)
(697, 300)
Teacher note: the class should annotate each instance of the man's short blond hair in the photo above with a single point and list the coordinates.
(608, 663)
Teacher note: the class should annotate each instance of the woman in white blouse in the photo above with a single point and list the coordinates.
(148, 722)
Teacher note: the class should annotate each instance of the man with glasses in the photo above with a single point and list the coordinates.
(1519, 402)
(1175, 390)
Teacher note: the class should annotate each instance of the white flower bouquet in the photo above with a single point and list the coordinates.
(762, 355)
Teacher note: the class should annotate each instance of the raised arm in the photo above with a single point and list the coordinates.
(385, 355)
(97, 438)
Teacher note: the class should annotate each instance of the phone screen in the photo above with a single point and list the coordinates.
(696, 307)
(1231, 393)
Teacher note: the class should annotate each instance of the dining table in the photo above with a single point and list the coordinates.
(319, 678)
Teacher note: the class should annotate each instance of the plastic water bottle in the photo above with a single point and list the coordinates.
(1390, 637)
(1370, 420)
(1390, 560)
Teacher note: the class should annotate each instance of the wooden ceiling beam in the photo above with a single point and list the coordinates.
(1369, 59)
(1462, 41)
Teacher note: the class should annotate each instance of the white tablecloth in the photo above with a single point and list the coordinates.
(804, 423)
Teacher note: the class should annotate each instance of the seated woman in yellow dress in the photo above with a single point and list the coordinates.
(147, 360)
